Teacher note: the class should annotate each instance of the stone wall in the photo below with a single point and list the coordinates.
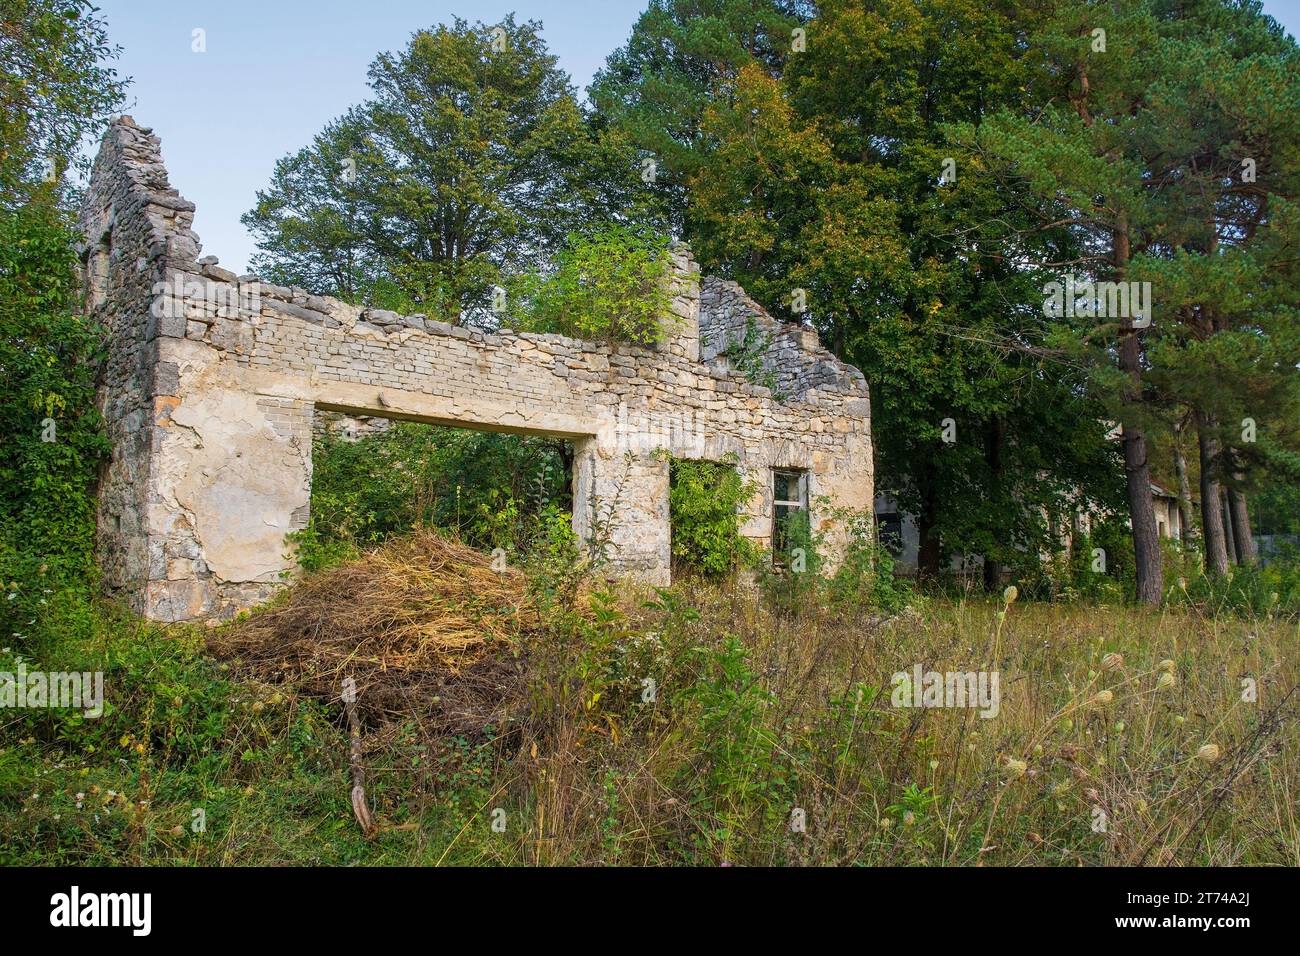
(213, 382)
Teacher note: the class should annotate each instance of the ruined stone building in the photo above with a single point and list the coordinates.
(212, 380)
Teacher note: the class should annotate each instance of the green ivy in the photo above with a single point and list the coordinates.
(51, 435)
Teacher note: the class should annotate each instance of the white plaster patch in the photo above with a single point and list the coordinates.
(241, 484)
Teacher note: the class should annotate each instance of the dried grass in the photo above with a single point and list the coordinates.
(424, 625)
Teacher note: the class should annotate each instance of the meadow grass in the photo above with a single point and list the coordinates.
(702, 726)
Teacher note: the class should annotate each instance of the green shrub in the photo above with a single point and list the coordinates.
(865, 578)
(748, 354)
(704, 501)
(791, 576)
(1246, 590)
(608, 286)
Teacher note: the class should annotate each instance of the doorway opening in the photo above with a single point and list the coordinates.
(375, 478)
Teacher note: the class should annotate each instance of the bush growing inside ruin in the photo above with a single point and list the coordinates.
(607, 286)
(704, 501)
(491, 489)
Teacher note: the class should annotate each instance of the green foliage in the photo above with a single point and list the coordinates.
(729, 707)
(1248, 591)
(53, 438)
(820, 171)
(790, 577)
(55, 89)
(681, 53)
(865, 579)
(492, 489)
(608, 285)
(177, 735)
(1172, 102)
(795, 581)
(704, 501)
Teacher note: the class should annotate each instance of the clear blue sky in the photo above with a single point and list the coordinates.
(276, 71)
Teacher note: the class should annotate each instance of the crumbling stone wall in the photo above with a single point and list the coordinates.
(213, 382)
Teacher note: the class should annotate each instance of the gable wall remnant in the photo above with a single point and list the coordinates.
(213, 381)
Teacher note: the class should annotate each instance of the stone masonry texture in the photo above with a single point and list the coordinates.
(213, 384)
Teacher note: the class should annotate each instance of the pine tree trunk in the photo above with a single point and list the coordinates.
(1146, 536)
(1188, 527)
(1229, 539)
(1216, 550)
(1137, 469)
(1242, 538)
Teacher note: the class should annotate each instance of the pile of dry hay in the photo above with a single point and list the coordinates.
(426, 628)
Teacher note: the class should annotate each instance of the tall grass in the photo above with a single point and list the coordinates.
(702, 725)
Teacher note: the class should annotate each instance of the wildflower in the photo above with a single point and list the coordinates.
(934, 765)
(909, 818)
(1119, 726)
(1179, 720)
(258, 707)
(1010, 594)
(1112, 662)
(1208, 753)
(1016, 768)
